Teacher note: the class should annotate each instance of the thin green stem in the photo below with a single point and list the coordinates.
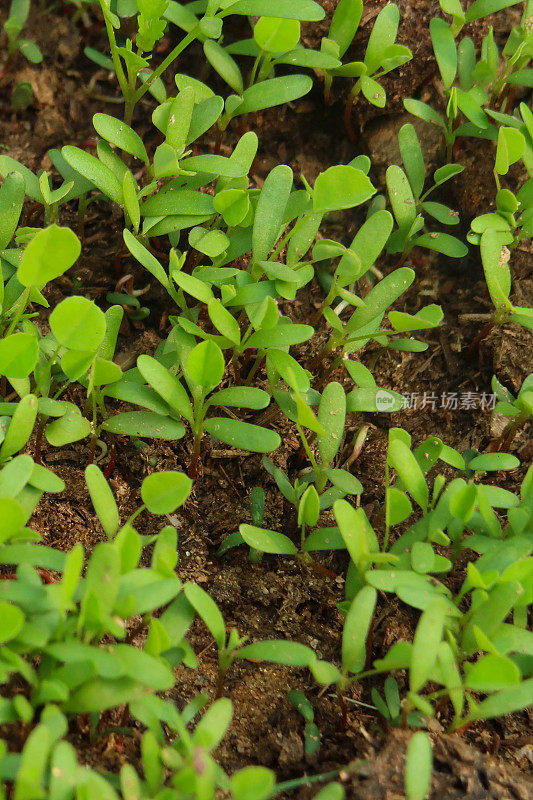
(121, 76)
(23, 302)
(185, 42)
(307, 449)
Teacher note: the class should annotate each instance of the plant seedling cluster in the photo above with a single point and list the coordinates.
(92, 639)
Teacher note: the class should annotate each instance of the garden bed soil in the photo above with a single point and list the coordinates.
(278, 597)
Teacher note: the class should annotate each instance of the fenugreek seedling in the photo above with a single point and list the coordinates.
(203, 370)
(382, 54)
(446, 636)
(410, 205)
(231, 647)
(482, 83)
(311, 732)
(13, 26)
(38, 187)
(519, 409)
(390, 707)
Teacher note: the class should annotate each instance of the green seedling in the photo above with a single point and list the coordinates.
(410, 204)
(472, 87)
(519, 409)
(311, 732)
(13, 26)
(38, 188)
(446, 636)
(231, 647)
(275, 43)
(390, 708)
(382, 54)
(203, 370)
(131, 66)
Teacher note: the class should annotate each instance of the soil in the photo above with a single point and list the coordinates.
(280, 598)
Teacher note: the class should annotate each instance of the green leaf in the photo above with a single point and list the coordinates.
(11, 621)
(50, 253)
(373, 91)
(166, 385)
(192, 285)
(276, 34)
(345, 481)
(492, 672)
(212, 727)
(309, 507)
(95, 171)
(401, 197)
(144, 257)
(32, 765)
(292, 654)
(77, 323)
(224, 64)
(214, 165)
(121, 135)
(495, 258)
(208, 611)
(444, 174)
(211, 243)
(18, 355)
(252, 783)
(241, 397)
(471, 108)
(403, 461)
(398, 506)
(177, 202)
(180, 115)
(270, 211)
(205, 365)
(71, 427)
(427, 638)
(243, 435)
(102, 500)
(273, 92)
(131, 201)
(412, 157)
(382, 36)
(332, 416)
(443, 243)
(267, 541)
(507, 701)
(9, 165)
(144, 423)
(20, 427)
(481, 8)
(280, 336)
(489, 615)
(224, 322)
(345, 23)
(440, 212)
(423, 111)
(354, 529)
(418, 766)
(164, 492)
(511, 145)
(304, 10)
(12, 193)
(355, 631)
(490, 462)
(233, 204)
(341, 187)
(445, 50)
